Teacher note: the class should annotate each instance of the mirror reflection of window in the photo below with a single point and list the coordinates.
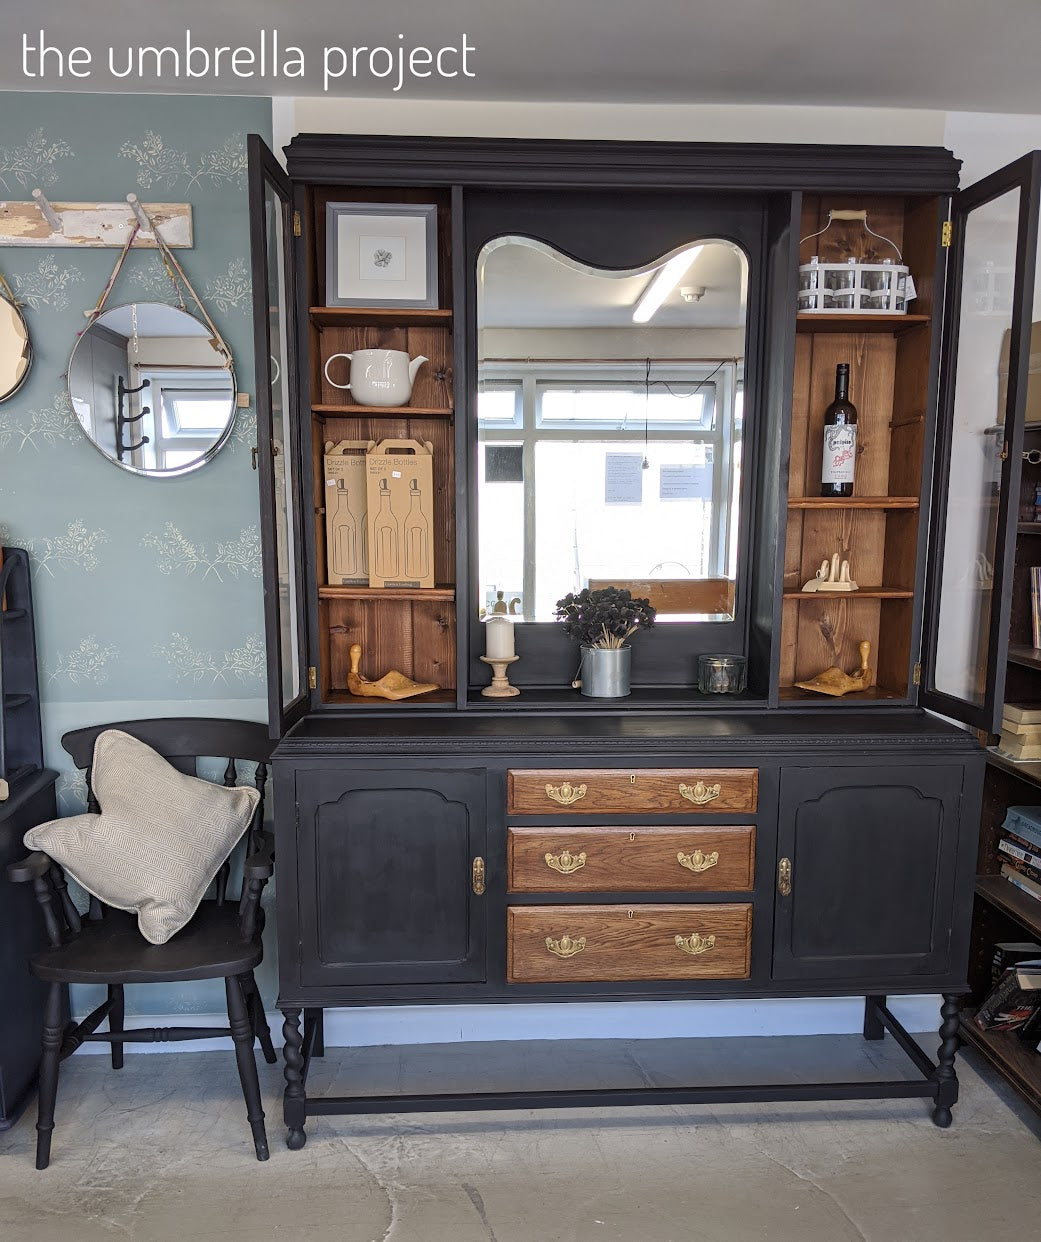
(609, 436)
(151, 389)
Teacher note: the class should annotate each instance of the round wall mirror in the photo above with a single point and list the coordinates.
(16, 352)
(152, 389)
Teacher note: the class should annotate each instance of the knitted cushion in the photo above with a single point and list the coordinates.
(160, 839)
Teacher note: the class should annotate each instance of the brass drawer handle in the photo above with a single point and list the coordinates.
(700, 793)
(565, 946)
(784, 877)
(698, 861)
(695, 943)
(477, 876)
(565, 793)
(565, 862)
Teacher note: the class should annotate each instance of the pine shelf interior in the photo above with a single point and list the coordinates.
(389, 595)
(853, 502)
(395, 317)
(808, 321)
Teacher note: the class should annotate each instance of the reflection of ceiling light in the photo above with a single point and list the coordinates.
(668, 277)
(692, 293)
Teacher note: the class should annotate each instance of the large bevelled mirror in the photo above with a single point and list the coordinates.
(16, 353)
(610, 423)
(152, 389)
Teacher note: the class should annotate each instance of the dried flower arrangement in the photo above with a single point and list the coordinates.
(605, 618)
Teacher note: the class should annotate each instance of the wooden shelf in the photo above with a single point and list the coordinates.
(808, 321)
(1029, 771)
(381, 411)
(853, 502)
(344, 698)
(1026, 657)
(395, 595)
(1011, 901)
(1014, 1058)
(874, 694)
(872, 592)
(1029, 528)
(391, 317)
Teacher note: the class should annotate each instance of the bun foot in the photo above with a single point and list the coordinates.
(295, 1139)
(942, 1117)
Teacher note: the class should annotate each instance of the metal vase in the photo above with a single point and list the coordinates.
(604, 672)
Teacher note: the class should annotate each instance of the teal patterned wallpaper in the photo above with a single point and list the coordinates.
(148, 592)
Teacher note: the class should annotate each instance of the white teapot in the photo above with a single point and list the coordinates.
(379, 376)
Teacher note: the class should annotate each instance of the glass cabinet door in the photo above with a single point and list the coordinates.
(986, 339)
(271, 214)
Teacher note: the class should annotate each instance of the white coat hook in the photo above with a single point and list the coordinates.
(49, 214)
(141, 214)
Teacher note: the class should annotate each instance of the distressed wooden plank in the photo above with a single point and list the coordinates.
(93, 225)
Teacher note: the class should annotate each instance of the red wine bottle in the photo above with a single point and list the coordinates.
(840, 439)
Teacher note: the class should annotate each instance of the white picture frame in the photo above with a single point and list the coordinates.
(381, 255)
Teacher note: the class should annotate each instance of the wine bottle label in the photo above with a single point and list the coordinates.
(840, 452)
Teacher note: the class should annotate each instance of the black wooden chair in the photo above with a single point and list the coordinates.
(223, 939)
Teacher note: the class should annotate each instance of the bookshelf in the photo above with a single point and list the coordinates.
(1002, 911)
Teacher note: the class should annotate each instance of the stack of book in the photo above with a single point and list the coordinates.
(1015, 1004)
(1021, 732)
(1020, 848)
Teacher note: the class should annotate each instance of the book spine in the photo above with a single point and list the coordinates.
(1035, 604)
(991, 1007)
(1024, 869)
(1013, 847)
(1021, 882)
(1025, 835)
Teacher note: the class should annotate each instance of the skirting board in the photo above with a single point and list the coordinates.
(451, 1024)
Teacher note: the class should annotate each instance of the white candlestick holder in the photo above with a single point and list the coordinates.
(500, 687)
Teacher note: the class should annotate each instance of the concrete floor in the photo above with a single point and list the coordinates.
(161, 1152)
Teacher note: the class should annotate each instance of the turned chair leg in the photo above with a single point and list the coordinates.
(258, 1018)
(53, 1028)
(242, 1034)
(946, 1078)
(115, 1022)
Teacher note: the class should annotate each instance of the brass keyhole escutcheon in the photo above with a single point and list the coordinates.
(632, 836)
(632, 780)
(784, 877)
(477, 877)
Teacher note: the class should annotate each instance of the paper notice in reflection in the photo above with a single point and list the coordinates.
(686, 482)
(623, 479)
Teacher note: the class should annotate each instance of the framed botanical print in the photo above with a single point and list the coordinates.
(381, 254)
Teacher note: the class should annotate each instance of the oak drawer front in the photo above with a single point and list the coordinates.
(566, 944)
(639, 791)
(631, 860)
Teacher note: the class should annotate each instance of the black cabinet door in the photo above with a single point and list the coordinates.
(270, 215)
(987, 344)
(873, 856)
(385, 871)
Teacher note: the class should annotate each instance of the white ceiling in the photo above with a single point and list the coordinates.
(962, 55)
(523, 285)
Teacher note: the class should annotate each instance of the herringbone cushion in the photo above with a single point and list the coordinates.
(160, 838)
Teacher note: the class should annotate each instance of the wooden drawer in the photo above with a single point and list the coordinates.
(632, 860)
(586, 791)
(566, 944)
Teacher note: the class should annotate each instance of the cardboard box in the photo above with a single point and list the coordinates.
(1032, 410)
(346, 513)
(400, 476)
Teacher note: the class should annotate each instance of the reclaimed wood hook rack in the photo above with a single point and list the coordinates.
(38, 222)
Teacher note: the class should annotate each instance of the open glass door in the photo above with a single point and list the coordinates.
(986, 333)
(271, 214)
